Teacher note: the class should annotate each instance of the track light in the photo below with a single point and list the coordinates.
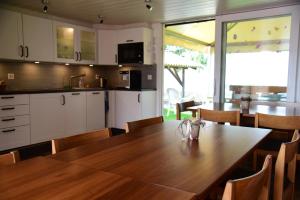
(100, 19)
(148, 4)
(45, 5)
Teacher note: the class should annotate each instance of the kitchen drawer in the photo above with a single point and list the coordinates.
(6, 122)
(14, 137)
(7, 111)
(8, 100)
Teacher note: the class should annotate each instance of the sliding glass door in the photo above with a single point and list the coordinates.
(256, 59)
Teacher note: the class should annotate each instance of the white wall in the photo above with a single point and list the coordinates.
(158, 60)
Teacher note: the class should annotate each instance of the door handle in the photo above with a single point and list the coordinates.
(64, 100)
(21, 51)
(77, 93)
(10, 119)
(139, 98)
(129, 40)
(26, 51)
(9, 130)
(79, 53)
(10, 97)
(96, 93)
(10, 108)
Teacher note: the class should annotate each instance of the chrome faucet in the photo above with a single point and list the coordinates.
(73, 77)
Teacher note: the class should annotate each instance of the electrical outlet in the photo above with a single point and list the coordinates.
(149, 76)
(10, 76)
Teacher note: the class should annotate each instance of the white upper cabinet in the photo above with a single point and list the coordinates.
(87, 39)
(74, 44)
(24, 37)
(131, 35)
(107, 47)
(38, 38)
(64, 42)
(11, 40)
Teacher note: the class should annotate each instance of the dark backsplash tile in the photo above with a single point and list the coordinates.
(52, 75)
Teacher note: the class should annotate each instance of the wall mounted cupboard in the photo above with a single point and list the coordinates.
(25, 37)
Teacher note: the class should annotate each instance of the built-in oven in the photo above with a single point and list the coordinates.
(131, 53)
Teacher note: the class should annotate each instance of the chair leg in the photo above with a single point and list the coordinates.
(254, 161)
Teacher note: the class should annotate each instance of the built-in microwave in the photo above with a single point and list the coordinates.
(131, 53)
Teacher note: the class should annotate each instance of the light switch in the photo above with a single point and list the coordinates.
(10, 76)
(149, 76)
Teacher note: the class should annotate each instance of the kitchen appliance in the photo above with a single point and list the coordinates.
(131, 53)
(131, 79)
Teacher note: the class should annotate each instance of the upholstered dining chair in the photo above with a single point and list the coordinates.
(78, 140)
(9, 158)
(285, 170)
(232, 117)
(135, 125)
(255, 187)
(182, 107)
(283, 127)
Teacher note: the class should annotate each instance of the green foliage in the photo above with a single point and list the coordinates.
(196, 56)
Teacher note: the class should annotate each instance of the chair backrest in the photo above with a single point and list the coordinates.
(277, 122)
(77, 140)
(181, 107)
(255, 187)
(135, 125)
(173, 95)
(232, 117)
(284, 181)
(9, 158)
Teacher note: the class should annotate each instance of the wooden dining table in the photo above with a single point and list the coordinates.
(150, 163)
(46, 178)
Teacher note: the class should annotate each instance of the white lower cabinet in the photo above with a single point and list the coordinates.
(95, 110)
(14, 137)
(75, 119)
(47, 116)
(57, 115)
(134, 105)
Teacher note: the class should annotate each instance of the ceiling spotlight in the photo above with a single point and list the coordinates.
(100, 19)
(148, 5)
(45, 5)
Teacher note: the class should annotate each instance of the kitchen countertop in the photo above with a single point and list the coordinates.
(58, 90)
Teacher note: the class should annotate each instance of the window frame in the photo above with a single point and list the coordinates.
(293, 86)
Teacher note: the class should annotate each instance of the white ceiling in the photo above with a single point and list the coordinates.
(134, 11)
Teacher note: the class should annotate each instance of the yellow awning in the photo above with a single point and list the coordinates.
(267, 34)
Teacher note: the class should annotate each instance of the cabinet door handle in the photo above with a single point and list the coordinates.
(77, 93)
(139, 98)
(21, 51)
(9, 130)
(96, 93)
(64, 100)
(129, 40)
(10, 97)
(10, 119)
(26, 51)
(10, 108)
(116, 58)
(79, 53)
